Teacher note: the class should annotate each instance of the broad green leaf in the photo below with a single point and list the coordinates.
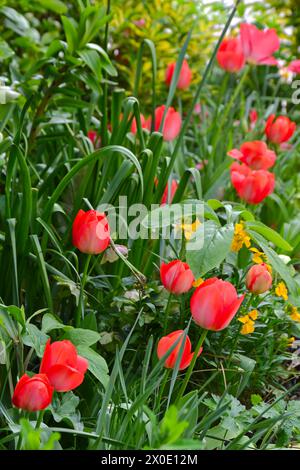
(50, 323)
(81, 337)
(216, 245)
(97, 364)
(35, 338)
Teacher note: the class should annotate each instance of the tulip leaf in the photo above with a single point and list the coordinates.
(81, 337)
(269, 234)
(50, 323)
(35, 339)
(97, 364)
(216, 244)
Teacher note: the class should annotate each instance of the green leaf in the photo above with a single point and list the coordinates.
(36, 339)
(92, 60)
(54, 5)
(216, 245)
(71, 33)
(65, 408)
(50, 323)
(97, 364)
(17, 313)
(269, 234)
(82, 337)
(5, 51)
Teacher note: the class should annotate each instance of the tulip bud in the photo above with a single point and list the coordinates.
(33, 393)
(91, 233)
(172, 122)
(166, 343)
(176, 277)
(214, 304)
(230, 55)
(258, 279)
(185, 75)
(251, 185)
(280, 129)
(64, 368)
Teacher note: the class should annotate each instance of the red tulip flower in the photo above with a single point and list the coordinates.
(172, 123)
(255, 154)
(258, 279)
(230, 55)
(134, 125)
(185, 76)
(280, 129)
(259, 46)
(294, 66)
(64, 368)
(33, 393)
(166, 343)
(251, 185)
(176, 277)
(90, 231)
(214, 304)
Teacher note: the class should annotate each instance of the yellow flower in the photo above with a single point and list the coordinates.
(258, 257)
(291, 341)
(248, 322)
(240, 237)
(281, 290)
(253, 314)
(189, 229)
(244, 319)
(248, 328)
(294, 314)
(198, 282)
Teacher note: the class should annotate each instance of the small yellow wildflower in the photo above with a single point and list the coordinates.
(294, 314)
(258, 257)
(248, 328)
(240, 237)
(198, 282)
(253, 314)
(189, 229)
(244, 319)
(291, 341)
(281, 290)
(248, 322)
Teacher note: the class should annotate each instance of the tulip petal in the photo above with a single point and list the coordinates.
(64, 378)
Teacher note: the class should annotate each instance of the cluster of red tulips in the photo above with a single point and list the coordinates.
(62, 369)
(250, 176)
(213, 305)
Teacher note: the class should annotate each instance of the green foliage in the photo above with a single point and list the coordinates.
(71, 69)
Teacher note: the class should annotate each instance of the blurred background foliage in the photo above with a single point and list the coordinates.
(165, 22)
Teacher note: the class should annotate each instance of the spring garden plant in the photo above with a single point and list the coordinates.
(146, 342)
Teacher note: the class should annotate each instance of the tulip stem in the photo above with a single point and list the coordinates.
(167, 313)
(163, 386)
(39, 419)
(80, 307)
(191, 366)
